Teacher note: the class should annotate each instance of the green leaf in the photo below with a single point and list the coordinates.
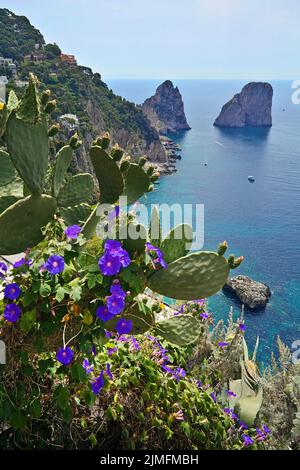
(60, 294)
(45, 289)
(78, 373)
(18, 419)
(27, 320)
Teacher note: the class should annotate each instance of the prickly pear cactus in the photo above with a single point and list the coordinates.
(177, 242)
(78, 189)
(27, 139)
(155, 233)
(7, 169)
(180, 329)
(108, 175)
(62, 163)
(197, 275)
(136, 183)
(21, 223)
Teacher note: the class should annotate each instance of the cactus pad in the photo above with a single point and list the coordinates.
(177, 242)
(90, 226)
(138, 245)
(21, 223)
(155, 228)
(248, 407)
(77, 189)
(12, 102)
(181, 329)
(62, 163)
(75, 215)
(137, 183)
(7, 201)
(197, 275)
(7, 169)
(108, 175)
(28, 147)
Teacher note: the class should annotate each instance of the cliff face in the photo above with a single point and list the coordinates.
(165, 109)
(81, 92)
(251, 107)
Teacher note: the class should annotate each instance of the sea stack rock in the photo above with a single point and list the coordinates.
(254, 295)
(251, 107)
(165, 109)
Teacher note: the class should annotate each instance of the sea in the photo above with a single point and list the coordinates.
(259, 220)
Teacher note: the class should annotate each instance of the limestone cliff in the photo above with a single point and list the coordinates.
(165, 109)
(251, 107)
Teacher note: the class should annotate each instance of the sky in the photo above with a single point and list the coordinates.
(175, 39)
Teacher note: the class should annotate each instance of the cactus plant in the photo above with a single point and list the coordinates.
(74, 215)
(76, 190)
(180, 329)
(135, 246)
(108, 175)
(62, 163)
(142, 319)
(197, 275)
(136, 183)
(21, 223)
(155, 234)
(27, 139)
(7, 169)
(177, 242)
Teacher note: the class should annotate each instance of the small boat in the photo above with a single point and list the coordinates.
(251, 179)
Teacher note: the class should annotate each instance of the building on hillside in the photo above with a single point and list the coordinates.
(35, 58)
(3, 79)
(70, 59)
(8, 63)
(69, 121)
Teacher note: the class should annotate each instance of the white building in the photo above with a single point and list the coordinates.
(70, 121)
(3, 79)
(20, 83)
(8, 63)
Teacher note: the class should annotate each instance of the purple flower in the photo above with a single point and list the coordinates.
(242, 327)
(159, 255)
(115, 304)
(243, 425)
(109, 265)
(98, 384)
(87, 366)
(112, 246)
(223, 344)
(108, 334)
(114, 214)
(73, 231)
(55, 264)
(117, 291)
(123, 326)
(94, 351)
(247, 440)
(180, 373)
(103, 313)
(266, 429)
(111, 351)
(3, 269)
(204, 315)
(134, 344)
(213, 396)
(229, 412)
(198, 383)
(108, 371)
(124, 258)
(12, 291)
(230, 393)
(12, 313)
(21, 262)
(65, 356)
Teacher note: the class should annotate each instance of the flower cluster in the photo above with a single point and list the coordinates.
(161, 357)
(98, 382)
(114, 259)
(115, 303)
(156, 254)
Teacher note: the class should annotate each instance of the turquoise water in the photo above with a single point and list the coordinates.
(261, 220)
